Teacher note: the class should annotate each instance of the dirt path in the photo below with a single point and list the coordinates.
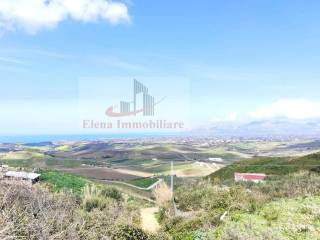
(149, 222)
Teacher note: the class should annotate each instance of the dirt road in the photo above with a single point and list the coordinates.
(149, 222)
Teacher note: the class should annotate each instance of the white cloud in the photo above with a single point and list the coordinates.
(232, 117)
(33, 15)
(290, 108)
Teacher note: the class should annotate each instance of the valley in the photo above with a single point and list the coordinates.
(132, 177)
(123, 160)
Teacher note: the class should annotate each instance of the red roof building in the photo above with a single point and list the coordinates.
(249, 177)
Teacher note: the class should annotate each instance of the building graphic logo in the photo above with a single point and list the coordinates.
(131, 108)
(142, 109)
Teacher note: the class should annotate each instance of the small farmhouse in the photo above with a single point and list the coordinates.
(30, 177)
(250, 177)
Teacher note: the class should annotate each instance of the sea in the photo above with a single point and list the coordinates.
(23, 139)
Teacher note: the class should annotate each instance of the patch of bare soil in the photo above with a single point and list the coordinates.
(204, 169)
(149, 222)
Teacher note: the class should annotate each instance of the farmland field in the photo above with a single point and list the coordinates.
(125, 160)
(99, 173)
(143, 182)
(60, 181)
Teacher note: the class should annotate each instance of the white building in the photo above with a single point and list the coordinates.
(31, 177)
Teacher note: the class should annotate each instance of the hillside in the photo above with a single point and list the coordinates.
(286, 206)
(68, 207)
(281, 219)
(269, 166)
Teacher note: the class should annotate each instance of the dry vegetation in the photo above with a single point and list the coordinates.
(162, 194)
(29, 212)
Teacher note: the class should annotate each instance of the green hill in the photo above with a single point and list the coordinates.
(269, 166)
(282, 219)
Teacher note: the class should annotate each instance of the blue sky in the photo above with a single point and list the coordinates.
(239, 57)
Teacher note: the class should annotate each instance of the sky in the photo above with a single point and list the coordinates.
(235, 59)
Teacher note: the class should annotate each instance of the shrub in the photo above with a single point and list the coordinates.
(271, 214)
(205, 203)
(162, 194)
(127, 232)
(233, 232)
(92, 203)
(113, 193)
(30, 213)
(99, 197)
(290, 186)
(160, 235)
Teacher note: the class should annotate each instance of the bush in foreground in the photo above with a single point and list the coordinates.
(31, 212)
(246, 211)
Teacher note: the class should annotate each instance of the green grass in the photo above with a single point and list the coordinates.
(68, 163)
(63, 148)
(63, 181)
(29, 158)
(152, 166)
(25, 163)
(23, 155)
(269, 166)
(143, 182)
(284, 219)
(164, 167)
(222, 152)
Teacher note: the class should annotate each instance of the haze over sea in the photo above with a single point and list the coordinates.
(76, 137)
